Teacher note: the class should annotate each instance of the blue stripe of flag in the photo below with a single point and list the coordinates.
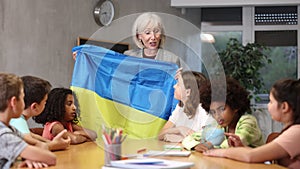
(144, 84)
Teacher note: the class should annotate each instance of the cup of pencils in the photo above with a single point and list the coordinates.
(112, 139)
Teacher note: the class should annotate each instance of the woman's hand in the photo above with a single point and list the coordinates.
(74, 54)
(234, 140)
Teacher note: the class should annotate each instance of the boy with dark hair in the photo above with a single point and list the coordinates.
(11, 143)
(36, 94)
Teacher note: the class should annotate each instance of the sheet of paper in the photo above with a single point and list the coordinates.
(149, 163)
(168, 153)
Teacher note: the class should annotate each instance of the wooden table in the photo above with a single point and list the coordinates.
(90, 155)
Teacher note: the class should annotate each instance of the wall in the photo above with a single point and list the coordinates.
(37, 35)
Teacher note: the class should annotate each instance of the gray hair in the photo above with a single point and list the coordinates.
(143, 21)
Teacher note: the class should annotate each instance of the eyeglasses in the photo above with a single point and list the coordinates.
(219, 110)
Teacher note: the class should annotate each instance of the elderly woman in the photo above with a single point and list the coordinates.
(149, 37)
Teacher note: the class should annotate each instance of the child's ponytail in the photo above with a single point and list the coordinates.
(288, 90)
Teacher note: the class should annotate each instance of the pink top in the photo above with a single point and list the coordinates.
(289, 141)
(48, 128)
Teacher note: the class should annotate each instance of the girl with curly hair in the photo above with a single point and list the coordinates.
(283, 107)
(60, 113)
(228, 105)
(188, 115)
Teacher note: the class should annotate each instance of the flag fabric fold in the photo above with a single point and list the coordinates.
(132, 93)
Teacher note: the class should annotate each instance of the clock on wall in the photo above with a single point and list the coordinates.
(104, 13)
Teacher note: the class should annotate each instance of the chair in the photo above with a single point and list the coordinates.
(38, 131)
(272, 136)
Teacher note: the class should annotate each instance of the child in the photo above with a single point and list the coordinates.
(229, 112)
(188, 115)
(36, 94)
(283, 107)
(61, 113)
(11, 143)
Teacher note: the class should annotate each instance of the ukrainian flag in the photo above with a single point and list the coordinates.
(120, 91)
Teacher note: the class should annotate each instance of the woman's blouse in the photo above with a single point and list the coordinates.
(162, 55)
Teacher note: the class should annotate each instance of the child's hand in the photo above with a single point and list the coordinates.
(215, 153)
(89, 134)
(42, 145)
(234, 140)
(32, 164)
(60, 141)
(174, 138)
(80, 132)
(202, 147)
(184, 131)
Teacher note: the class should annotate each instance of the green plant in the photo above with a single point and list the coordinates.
(243, 63)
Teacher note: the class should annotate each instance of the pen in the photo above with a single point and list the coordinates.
(104, 139)
(146, 163)
(141, 150)
(130, 156)
(123, 139)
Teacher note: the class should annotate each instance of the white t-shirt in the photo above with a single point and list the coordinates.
(179, 118)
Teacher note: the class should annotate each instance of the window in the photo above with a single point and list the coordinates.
(276, 27)
(217, 43)
(282, 52)
(221, 38)
(276, 15)
(222, 16)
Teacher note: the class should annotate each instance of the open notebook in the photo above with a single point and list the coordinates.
(149, 163)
